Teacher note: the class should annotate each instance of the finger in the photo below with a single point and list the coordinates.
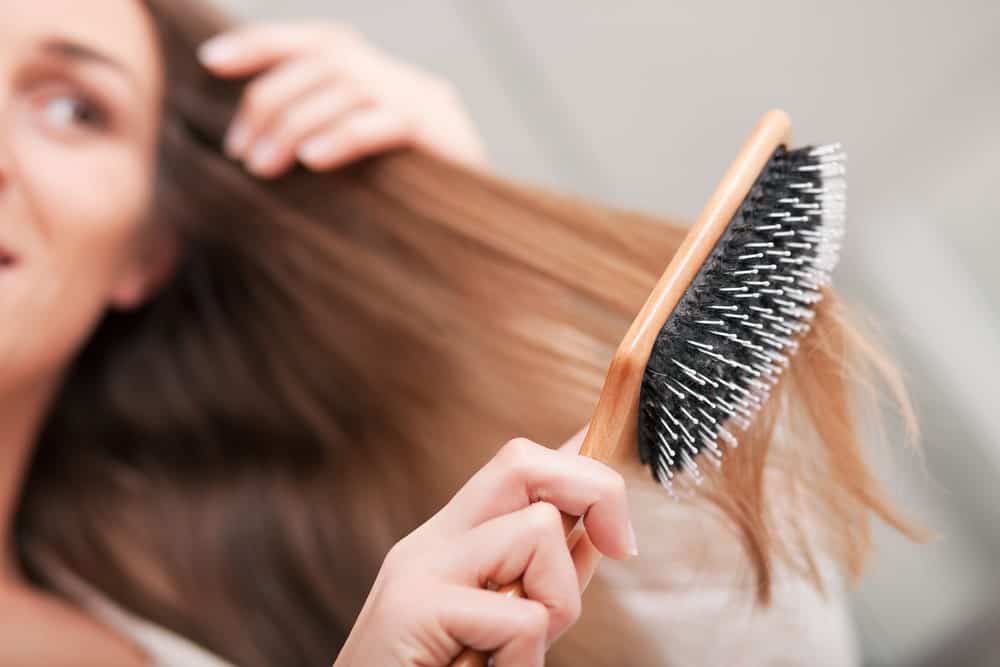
(524, 472)
(270, 94)
(528, 545)
(586, 558)
(364, 132)
(251, 48)
(515, 629)
(276, 150)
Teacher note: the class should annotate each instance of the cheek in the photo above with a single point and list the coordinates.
(79, 209)
(86, 198)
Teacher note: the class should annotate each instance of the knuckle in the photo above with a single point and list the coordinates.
(352, 135)
(310, 68)
(255, 97)
(289, 128)
(573, 608)
(407, 124)
(617, 484)
(395, 558)
(517, 452)
(357, 90)
(534, 619)
(565, 612)
(336, 70)
(390, 597)
(294, 124)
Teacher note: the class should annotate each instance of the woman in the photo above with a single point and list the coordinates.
(230, 385)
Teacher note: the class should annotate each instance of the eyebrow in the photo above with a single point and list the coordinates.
(70, 50)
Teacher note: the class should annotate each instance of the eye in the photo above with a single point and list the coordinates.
(65, 110)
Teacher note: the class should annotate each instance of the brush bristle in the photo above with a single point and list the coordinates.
(732, 333)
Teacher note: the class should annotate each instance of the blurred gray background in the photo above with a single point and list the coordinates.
(642, 104)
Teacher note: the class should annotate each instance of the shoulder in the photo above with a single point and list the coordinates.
(37, 628)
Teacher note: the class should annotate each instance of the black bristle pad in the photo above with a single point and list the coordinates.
(732, 332)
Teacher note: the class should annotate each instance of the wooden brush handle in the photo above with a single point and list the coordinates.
(473, 658)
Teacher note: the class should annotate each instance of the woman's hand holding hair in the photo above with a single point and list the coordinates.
(325, 96)
(429, 599)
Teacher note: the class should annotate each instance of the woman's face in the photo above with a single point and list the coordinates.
(80, 89)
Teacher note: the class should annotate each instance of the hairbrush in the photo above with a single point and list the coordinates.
(721, 324)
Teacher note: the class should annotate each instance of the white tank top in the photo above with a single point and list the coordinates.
(162, 647)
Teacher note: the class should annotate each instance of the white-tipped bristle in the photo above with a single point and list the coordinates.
(732, 335)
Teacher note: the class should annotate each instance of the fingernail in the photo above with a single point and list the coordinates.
(236, 139)
(262, 155)
(633, 548)
(317, 150)
(218, 50)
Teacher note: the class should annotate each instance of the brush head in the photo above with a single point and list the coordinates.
(732, 332)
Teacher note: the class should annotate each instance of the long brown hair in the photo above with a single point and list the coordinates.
(336, 353)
